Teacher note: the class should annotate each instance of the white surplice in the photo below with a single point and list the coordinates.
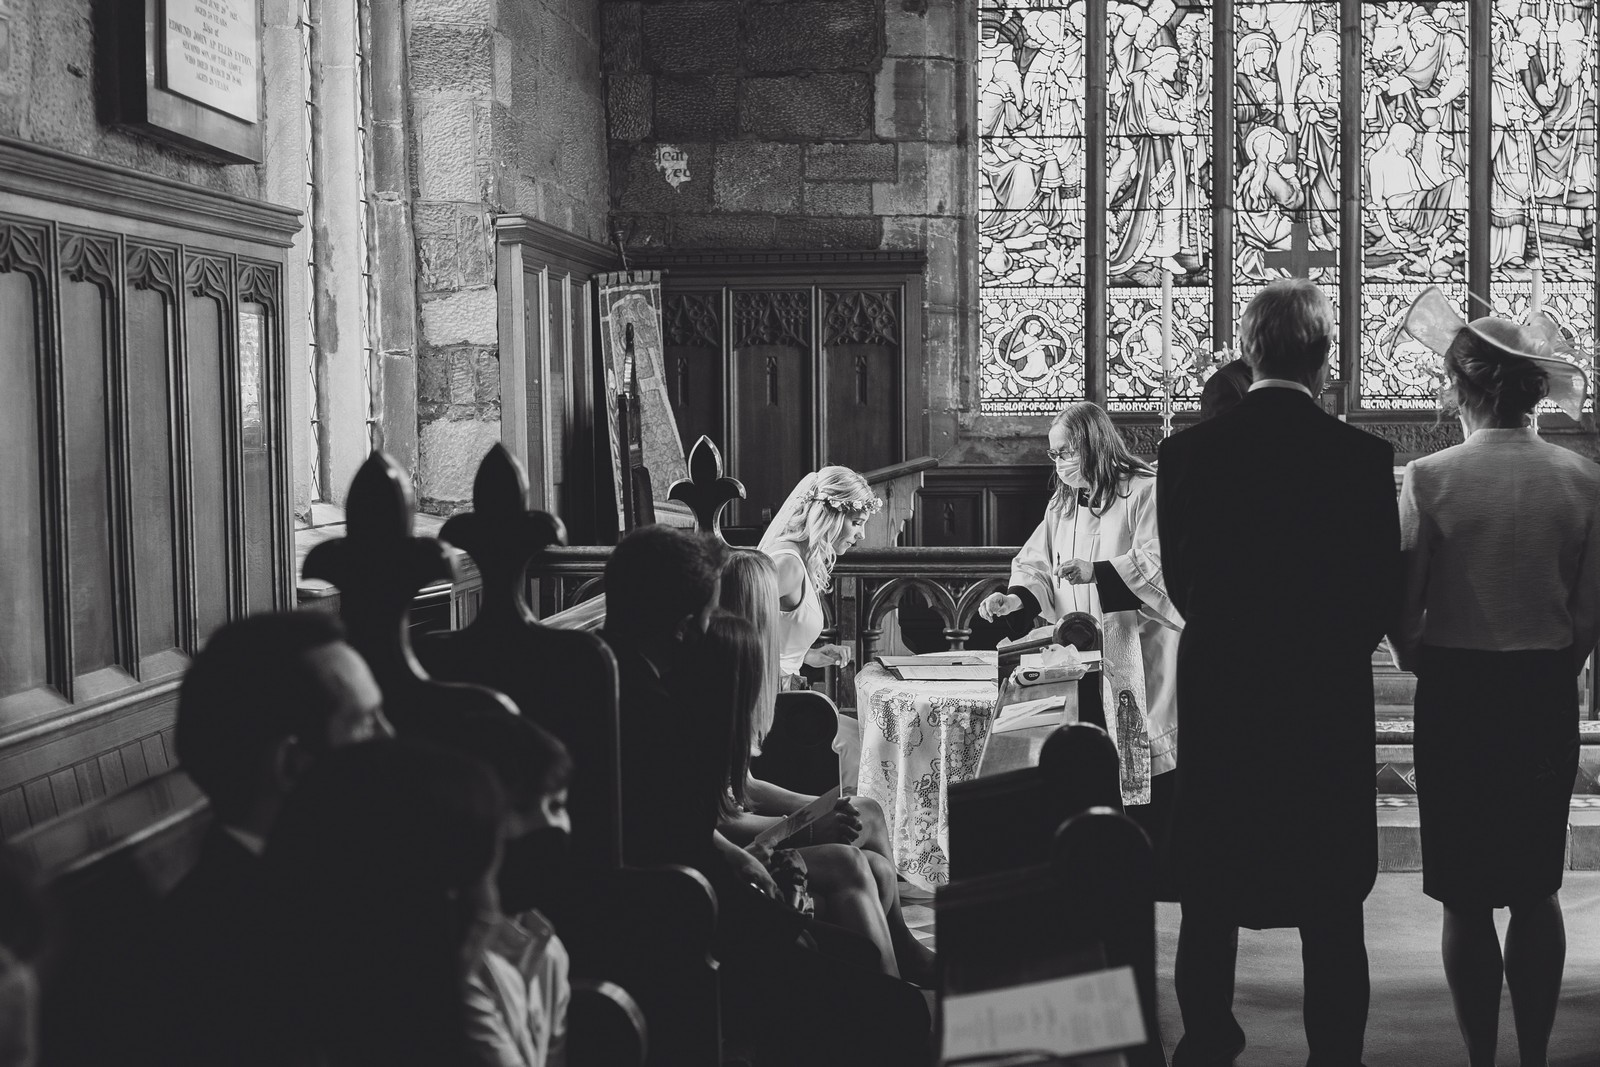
(1125, 536)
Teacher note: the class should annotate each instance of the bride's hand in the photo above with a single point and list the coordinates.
(999, 604)
(828, 656)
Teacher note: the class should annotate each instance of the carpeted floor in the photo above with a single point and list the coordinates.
(1411, 1023)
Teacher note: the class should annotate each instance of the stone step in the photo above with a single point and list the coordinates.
(1396, 765)
(1398, 689)
(1400, 835)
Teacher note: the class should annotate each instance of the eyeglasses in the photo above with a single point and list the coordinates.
(1058, 454)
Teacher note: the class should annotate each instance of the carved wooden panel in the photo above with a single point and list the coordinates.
(862, 413)
(772, 397)
(693, 350)
(126, 422)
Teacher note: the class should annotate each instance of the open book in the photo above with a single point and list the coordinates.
(976, 666)
(1078, 1016)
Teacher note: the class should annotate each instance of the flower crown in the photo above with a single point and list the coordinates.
(862, 507)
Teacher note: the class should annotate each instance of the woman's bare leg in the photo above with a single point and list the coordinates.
(1473, 968)
(1536, 954)
(846, 893)
(914, 958)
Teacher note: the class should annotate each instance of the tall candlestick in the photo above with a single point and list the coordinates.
(1536, 288)
(1166, 353)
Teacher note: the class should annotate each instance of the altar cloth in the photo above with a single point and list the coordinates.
(917, 738)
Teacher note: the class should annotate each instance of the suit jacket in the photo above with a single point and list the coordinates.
(1281, 547)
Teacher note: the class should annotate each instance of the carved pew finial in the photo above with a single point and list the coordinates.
(378, 567)
(706, 490)
(502, 534)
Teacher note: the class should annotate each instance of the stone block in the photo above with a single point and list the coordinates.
(447, 148)
(451, 59)
(644, 187)
(440, 263)
(465, 316)
(948, 179)
(905, 232)
(942, 100)
(919, 28)
(449, 451)
(640, 231)
(390, 147)
(901, 100)
(1399, 840)
(477, 12)
(908, 193)
(755, 176)
(698, 35)
(828, 233)
(838, 198)
(505, 67)
(475, 238)
(1583, 841)
(812, 35)
(723, 231)
(697, 107)
(944, 277)
(461, 375)
(397, 429)
(851, 162)
(628, 106)
(817, 106)
(487, 378)
(433, 378)
(621, 36)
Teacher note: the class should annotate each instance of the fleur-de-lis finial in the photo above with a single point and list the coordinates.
(706, 491)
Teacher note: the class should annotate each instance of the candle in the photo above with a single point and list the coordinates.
(1166, 331)
(1536, 291)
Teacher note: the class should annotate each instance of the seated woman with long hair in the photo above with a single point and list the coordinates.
(749, 590)
(729, 667)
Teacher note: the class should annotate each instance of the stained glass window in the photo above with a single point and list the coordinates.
(1276, 162)
(1030, 198)
(1542, 164)
(1158, 199)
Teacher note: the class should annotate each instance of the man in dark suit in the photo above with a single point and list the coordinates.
(1281, 547)
(261, 702)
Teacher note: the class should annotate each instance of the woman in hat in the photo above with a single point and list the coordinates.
(1502, 607)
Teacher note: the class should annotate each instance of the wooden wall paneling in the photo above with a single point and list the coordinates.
(578, 486)
(950, 518)
(772, 405)
(262, 398)
(692, 344)
(33, 668)
(558, 379)
(160, 563)
(208, 307)
(863, 413)
(98, 547)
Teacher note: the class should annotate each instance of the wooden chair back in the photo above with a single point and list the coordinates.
(798, 753)
(1009, 820)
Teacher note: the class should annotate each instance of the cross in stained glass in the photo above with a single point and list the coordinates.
(1301, 257)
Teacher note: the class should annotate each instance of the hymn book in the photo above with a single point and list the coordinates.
(1084, 1018)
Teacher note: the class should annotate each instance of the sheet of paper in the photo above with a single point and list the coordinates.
(1026, 714)
(794, 822)
(948, 659)
(941, 672)
(1074, 1016)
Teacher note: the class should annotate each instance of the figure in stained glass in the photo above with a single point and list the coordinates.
(1565, 154)
(1256, 102)
(1288, 28)
(1514, 120)
(1317, 105)
(1033, 349)
(1151, 186)
(1268, 192)
(1446, 112)
(1407, 54)
(1413, 212)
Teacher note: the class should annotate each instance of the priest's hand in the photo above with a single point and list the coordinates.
(828, 656)
(841, 826)
(999, 604)
(1077, 571)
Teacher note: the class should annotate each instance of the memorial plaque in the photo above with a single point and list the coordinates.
(211, 54)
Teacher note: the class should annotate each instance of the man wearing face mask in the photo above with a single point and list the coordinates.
(517, 997)
(1097, 551)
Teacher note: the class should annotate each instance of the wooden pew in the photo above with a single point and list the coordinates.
(1088, 906)
(1077, 770)
(648, 929)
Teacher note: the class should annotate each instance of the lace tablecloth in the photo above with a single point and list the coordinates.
(916, 738)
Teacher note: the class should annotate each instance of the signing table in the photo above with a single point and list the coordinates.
(919, 736)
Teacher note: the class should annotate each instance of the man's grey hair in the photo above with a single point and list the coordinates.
(1286, 331)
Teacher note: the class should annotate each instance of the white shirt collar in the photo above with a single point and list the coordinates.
(252, 843)
(1278, 383)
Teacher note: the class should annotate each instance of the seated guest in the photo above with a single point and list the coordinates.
(1225, 388)
(517, 996)
(750, 590)
(379, 899)
(661, 586)
(1501, 536)
(265, 699)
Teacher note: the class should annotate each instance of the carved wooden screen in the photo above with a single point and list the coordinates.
(145, 475)
(789, 364)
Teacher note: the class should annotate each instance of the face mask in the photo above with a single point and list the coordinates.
(533, 870)
(1071, 473)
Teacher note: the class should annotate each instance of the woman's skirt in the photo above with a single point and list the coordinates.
(1496, 756)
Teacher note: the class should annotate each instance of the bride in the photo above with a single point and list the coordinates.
(824, 516)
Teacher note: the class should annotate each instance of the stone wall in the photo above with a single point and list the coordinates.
(806, 124)
(47, 98)
(507, 117)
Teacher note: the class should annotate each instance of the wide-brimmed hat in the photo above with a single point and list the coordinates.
(1433, 321)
